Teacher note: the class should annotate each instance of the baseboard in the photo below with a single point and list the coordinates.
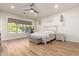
(71, 41)
(15, 39)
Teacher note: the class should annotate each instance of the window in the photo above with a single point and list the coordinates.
(11, 27)
(25, 28)
(18, 26)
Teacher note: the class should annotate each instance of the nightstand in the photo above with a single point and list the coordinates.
(60, 37)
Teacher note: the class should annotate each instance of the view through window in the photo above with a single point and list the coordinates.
(19, 25)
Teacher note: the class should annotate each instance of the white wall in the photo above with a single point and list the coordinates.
(35, 25)
(3, 26)
(70, 27)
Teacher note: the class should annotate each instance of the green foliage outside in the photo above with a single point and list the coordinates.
(13, 27)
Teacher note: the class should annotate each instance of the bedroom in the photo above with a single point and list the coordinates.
(19, 20)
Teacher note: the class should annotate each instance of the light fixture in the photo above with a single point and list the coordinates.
(12, 6)
(56, 6)
(31, 11)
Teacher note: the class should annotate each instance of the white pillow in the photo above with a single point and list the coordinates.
(52, 32)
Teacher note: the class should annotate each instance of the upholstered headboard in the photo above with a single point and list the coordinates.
(50, 28)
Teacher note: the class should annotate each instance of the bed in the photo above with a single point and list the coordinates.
(43, 36)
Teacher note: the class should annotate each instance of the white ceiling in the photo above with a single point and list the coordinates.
(44, 9)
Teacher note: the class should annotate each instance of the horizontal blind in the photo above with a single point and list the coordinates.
(12, 20)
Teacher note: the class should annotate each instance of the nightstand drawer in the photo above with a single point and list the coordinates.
(60, 37)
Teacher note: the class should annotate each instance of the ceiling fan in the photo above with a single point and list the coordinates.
(32, 9)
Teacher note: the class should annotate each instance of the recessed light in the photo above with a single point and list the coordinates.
(31, 11)
(56, 6)
(12, 6)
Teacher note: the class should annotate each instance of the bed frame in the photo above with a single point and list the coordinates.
(45, 28)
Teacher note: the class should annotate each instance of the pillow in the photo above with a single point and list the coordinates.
(48, 32)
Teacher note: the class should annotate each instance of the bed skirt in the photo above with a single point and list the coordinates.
(36, 40)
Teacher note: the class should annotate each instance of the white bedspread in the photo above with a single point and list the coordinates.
(45, 35)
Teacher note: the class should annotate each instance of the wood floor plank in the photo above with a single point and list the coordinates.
(23, 47)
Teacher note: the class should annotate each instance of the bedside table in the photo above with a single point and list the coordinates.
(60, 37)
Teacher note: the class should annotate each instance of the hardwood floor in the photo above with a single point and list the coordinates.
(22, 47)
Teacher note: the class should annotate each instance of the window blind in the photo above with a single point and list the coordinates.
(12, 20)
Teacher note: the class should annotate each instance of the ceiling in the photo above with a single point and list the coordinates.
(45, 9)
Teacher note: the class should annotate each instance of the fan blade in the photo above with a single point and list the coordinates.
(35, 11)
